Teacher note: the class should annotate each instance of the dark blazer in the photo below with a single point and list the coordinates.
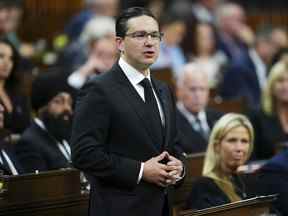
(10, 151)
(273, 179)
(192, 141)
(38, 150)
(110, 139)
(21, 114)
(205, 193)
(269, 134)
(240, 80)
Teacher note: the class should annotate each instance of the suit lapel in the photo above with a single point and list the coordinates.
(134, 99)
(162, 95)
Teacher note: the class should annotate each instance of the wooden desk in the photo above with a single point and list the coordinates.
(251, 207)
(44, 194)
(194, 165)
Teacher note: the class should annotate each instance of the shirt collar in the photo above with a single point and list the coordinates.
(40, 123)
(133, 75)
(191, 117)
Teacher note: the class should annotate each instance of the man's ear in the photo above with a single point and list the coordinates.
(120, 44)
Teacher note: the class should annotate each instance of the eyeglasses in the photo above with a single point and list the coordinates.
(143, 35)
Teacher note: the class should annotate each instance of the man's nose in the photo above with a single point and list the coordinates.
(68, 108)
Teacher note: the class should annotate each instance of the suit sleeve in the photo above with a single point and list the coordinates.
(177, 140)
(90, 135)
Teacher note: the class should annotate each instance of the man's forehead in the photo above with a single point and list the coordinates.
(63, 95)
(143, 23)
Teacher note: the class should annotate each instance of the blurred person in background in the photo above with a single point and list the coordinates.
(212, 61)
(201, 11)
(44, 144)
(16, 105)
(230, 146)
(246, 77)
(273, 179)
(9, 164)
(102, 56)
(271, 122)
(194, 118)
(92, 8)
(234, 36)
(15, 14)
(171, 55)
(77, 52)
(204, 11)
(280, 37)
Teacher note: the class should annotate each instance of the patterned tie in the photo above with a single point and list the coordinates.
(201, 129)
(153, 112)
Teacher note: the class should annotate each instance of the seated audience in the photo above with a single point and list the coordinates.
(92, 8)
(43, 146)
(171, 55)
(199, 11)
(102, 56)
(194, 119)
(271, 122)
(234, 36)
(205, 53)
(9, 164)
(247, 76)
(78, 52)
(230, 146)
(273, 179)
(16, 105)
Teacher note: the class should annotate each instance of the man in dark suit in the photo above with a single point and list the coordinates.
(273, 179)
(194, 119)
(43, 145)
(9, 164)
(124, 130)
(247, 76)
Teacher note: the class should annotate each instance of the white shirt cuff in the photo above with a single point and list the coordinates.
(140, 173)
(76, 80)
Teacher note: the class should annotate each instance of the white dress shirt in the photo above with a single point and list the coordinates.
(192, 118)
(63, 146)
(135, 77)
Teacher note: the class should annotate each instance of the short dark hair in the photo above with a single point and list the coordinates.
(122, 19)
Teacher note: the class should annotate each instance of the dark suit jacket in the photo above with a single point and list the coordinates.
(37, 150)
(273, 179)
(110, 139)
(21, 114)
(240, 80)
(269, 134)
(10, 151)
(205, 193)
(192, 141)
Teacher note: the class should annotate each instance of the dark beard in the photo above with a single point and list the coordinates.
(58, 126)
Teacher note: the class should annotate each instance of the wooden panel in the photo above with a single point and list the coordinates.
(52, 193)
(165, 75)
(257, 206)
(46, 18)
(235, 105)
(259, 19)
(194, 166)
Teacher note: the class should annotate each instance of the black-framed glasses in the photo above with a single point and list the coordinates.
(143, 35)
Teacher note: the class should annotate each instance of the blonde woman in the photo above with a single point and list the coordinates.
(271, 123)
(230, 145)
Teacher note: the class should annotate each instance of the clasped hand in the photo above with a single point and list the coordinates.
(162, 174)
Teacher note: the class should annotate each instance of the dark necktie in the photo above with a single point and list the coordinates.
(152, 112)
(201, 129)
